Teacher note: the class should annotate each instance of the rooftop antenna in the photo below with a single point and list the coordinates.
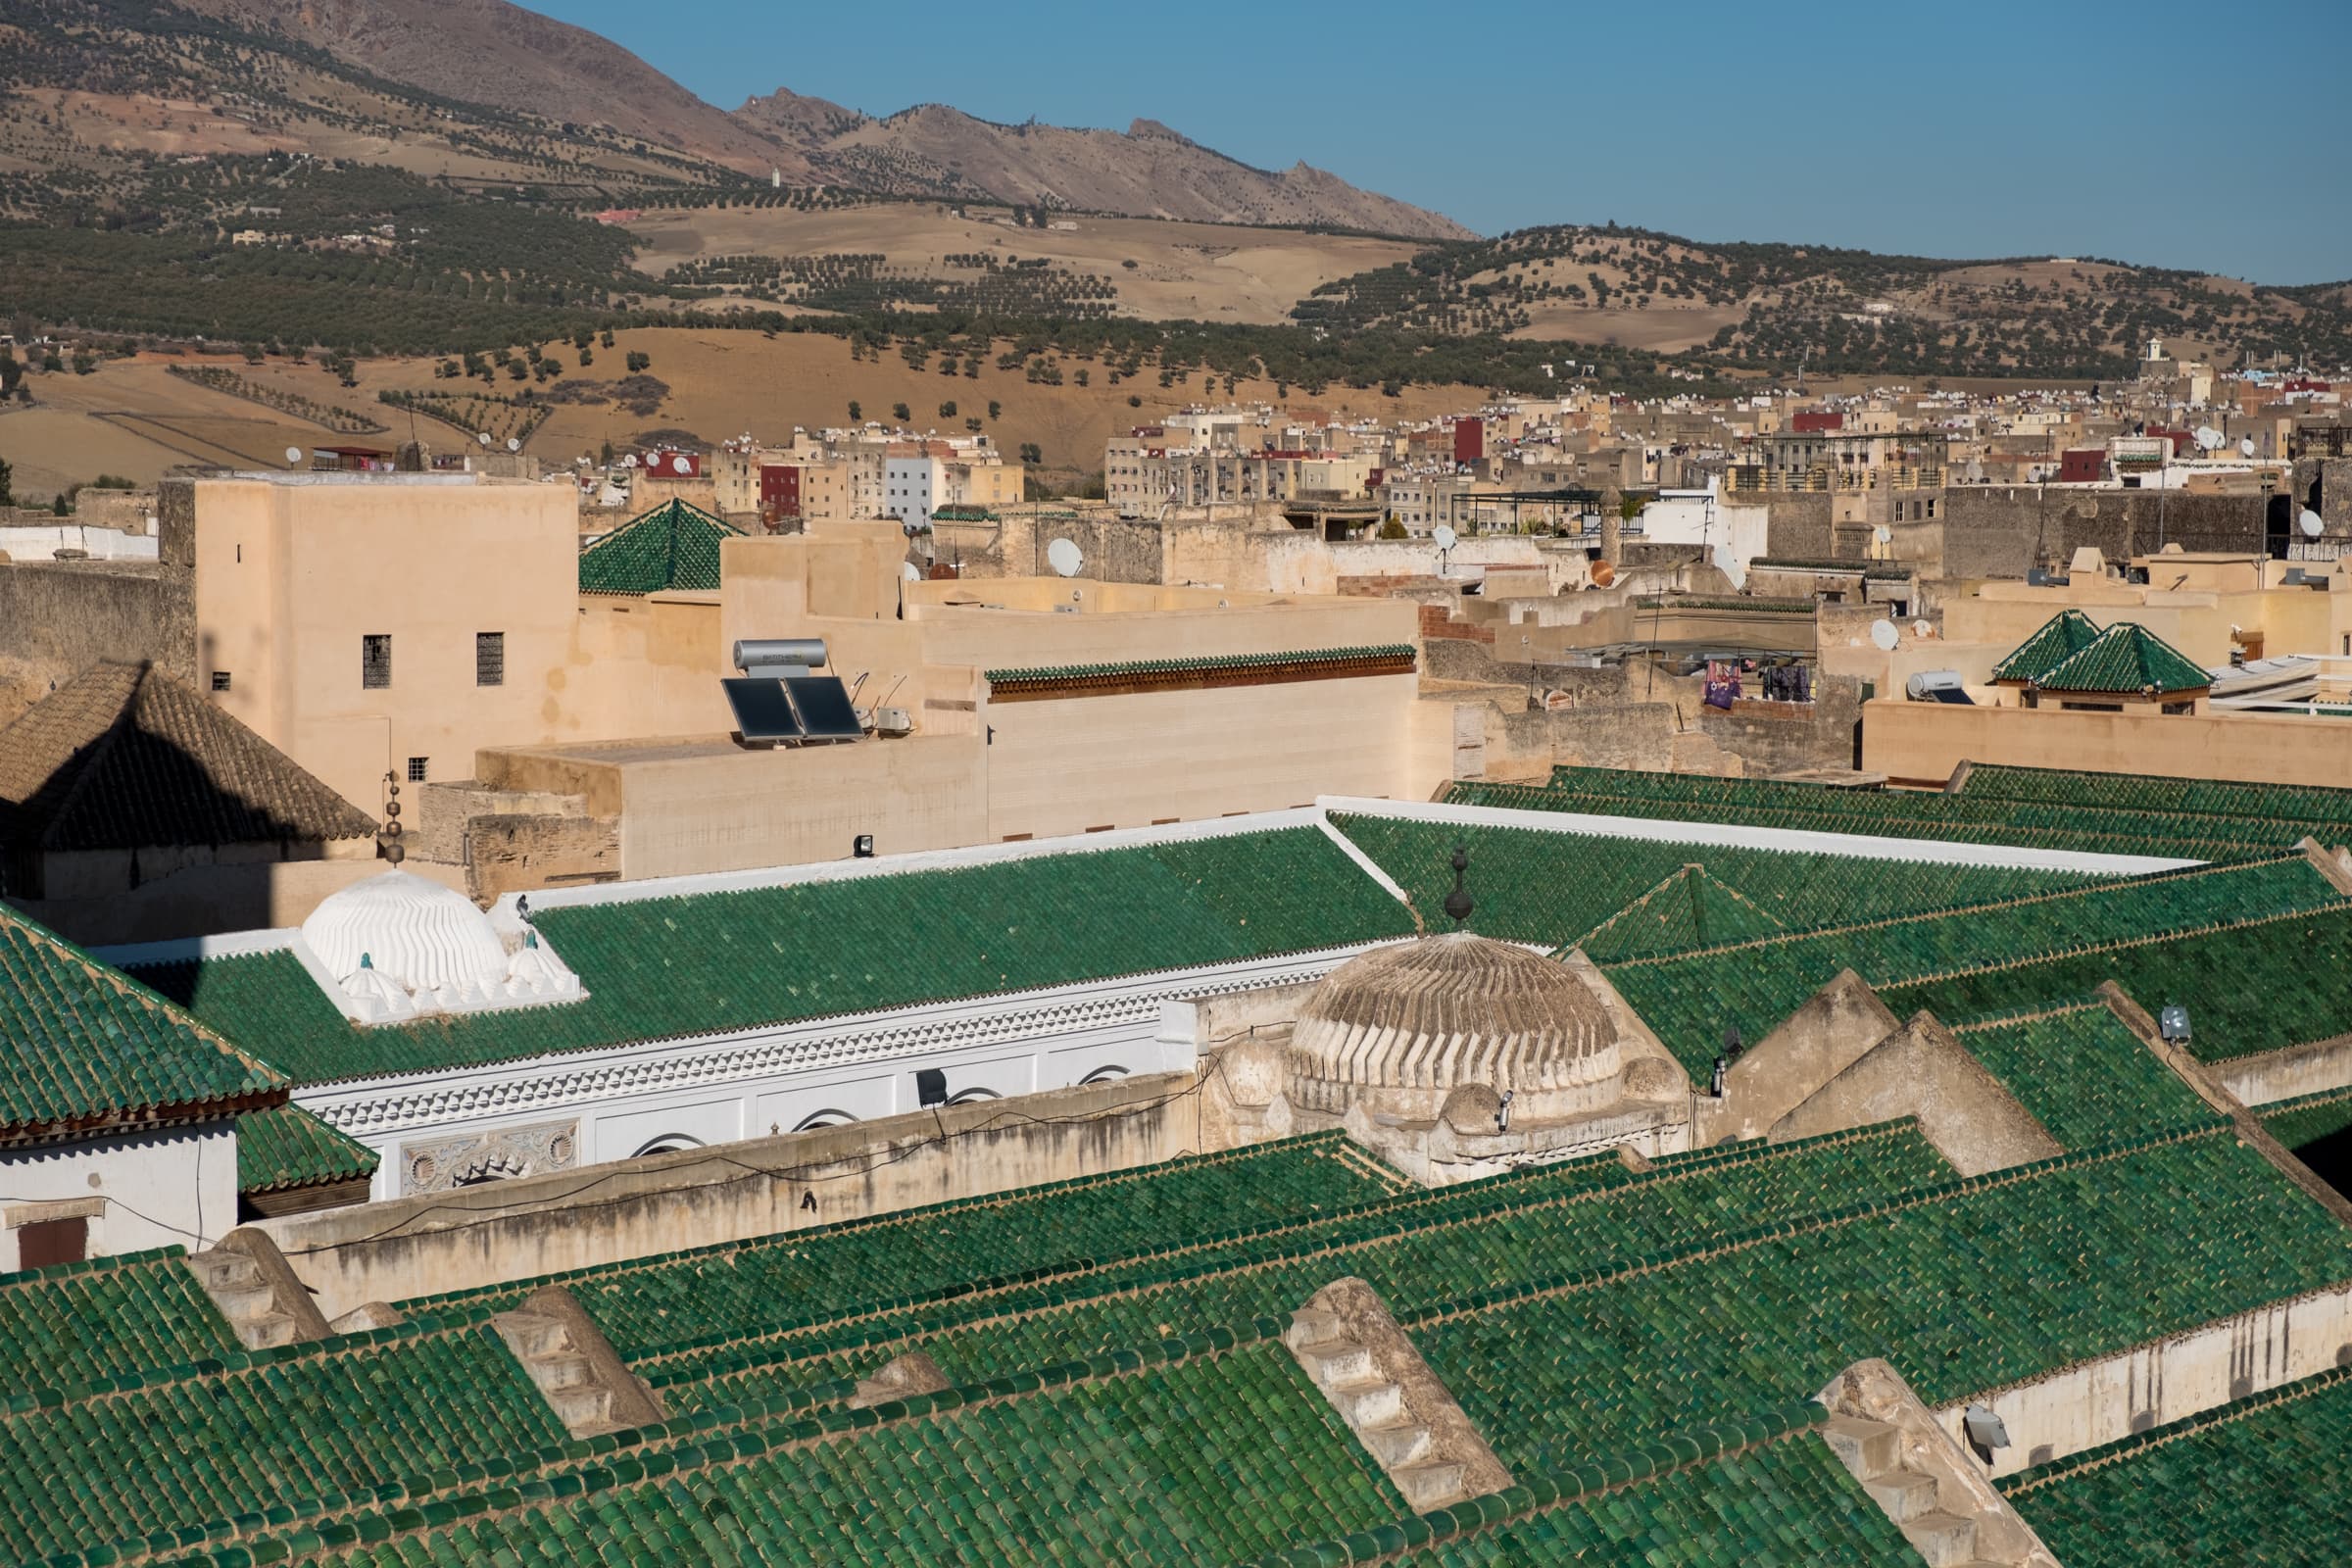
(293, 456)
(2313, 523)
(1885, 636)
(514, 443)
(1065, 558)
(1458, 903)
(1446, 539)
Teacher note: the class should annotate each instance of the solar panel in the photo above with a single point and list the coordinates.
(824, 707)
(762, 712)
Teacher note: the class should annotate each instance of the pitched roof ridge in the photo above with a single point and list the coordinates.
(2104, 885)
(131, 990)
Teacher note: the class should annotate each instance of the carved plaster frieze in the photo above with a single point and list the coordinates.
(592, 1077)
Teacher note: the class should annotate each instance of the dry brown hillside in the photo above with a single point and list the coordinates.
(500, 55)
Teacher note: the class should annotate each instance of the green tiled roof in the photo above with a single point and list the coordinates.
(1689, 910)
(75, 1323)
(80, 1043)
(2309, 1119)
(1203, 662)
(2122, 814)
(2087, 1078)
(286, 1145)
(2261, 1480)
(2060, 638)
(2283, 1003)
(660, 968)
(1974, 955)
(1532, 885)
(2125, 657)
(672, 546)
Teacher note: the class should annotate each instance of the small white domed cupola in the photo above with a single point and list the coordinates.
(397, 946)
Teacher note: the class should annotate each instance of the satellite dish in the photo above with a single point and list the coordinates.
(1603, 574)
(1443, 535)
(911, 572)
(2208, 438)
(483, 436)
(1883, 636)
(1882, 533)
(1065, 558)
(2313, 523)
(680, 464)
(514, 443)
(629, 461)
(1729, 564)
(1920, 628)
(293, 455)
(2245, 446)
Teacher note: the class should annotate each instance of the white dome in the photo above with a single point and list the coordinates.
(419, 934)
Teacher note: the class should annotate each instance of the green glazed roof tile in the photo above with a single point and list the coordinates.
(673, 546)
(80, 1041)
(287, 1146)
(2125, 657)
(2060, 638)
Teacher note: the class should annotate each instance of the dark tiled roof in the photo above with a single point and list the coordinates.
(2060, 638)
(124, 757)
(2123, 659)
(672, 546)
(1206, 663)
(286, 1145)
(80, 1042)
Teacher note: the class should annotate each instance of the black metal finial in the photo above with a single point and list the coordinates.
(1458, 903)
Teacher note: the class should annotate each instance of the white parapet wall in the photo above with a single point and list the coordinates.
(2097, 1403)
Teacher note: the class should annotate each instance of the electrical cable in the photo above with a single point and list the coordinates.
(794, 1174)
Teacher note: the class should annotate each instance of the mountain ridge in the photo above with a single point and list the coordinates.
(502, 56)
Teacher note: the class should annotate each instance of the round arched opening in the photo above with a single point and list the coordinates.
(667, 1144)
(1103, 1075)
(971, 1094)
(824, 1118)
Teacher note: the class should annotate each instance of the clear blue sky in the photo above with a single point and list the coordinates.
(2208, 135)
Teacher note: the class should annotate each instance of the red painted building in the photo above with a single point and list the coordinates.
(779, 490)
(668, 465)
(1815, 421)
(1469, 440)
(2082, 465)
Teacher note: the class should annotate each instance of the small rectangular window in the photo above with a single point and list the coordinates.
(376, 660)
(220, 680)
(52, 1241)
(489, 659)
(416, 769)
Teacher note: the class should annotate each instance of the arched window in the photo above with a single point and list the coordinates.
(667, 1144)
(971, 1094)
(1103, 1075)
(824, 1118)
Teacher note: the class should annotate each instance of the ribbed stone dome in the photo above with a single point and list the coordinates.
(419, 934)
(1399, 1028)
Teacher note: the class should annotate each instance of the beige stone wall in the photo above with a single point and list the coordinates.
(516, 1230)
(290, 575)
(1057, 768)
(1923, 742)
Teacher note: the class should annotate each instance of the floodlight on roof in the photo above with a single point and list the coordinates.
(1985, 1430)
(2172, 1022)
